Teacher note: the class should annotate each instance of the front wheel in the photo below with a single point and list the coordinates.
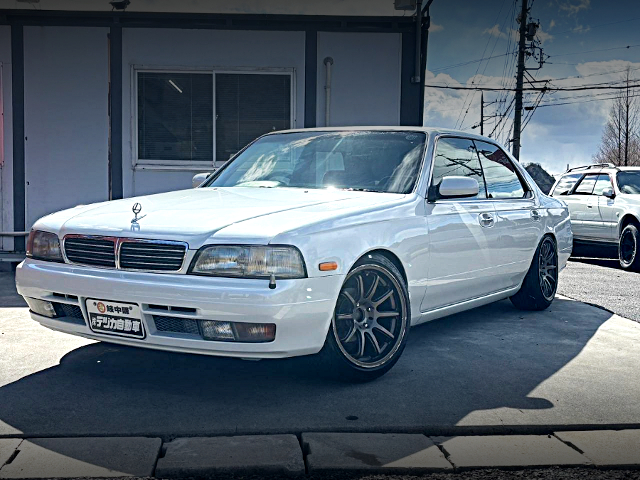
(370, 322)
(628, 248)
(541, 282)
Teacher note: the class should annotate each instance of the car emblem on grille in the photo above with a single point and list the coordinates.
(136, 209)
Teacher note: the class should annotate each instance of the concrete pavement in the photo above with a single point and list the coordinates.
(313, 454)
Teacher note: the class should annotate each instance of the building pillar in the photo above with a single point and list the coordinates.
(17, 106)
(115, 113)
(310, 78)
(410, 100)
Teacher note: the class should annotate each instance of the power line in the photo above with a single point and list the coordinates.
(535, 89)
(477, 70)
(470, 62)
(593, 51)
(583, 101)
(591, 27)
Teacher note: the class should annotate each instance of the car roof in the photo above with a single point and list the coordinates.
(596, 170)
(432, 131)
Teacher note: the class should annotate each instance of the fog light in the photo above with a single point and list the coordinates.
(255, 332)
(41, 307)
(238, 332)
(214, 330)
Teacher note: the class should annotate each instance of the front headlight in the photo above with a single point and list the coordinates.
(44, 246)
(249, 262)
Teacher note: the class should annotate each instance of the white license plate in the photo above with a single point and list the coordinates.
(114, 318)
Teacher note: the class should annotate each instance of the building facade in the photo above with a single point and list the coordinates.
(100, 104)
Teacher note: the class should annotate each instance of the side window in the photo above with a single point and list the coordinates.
(566, 183)
(457, 157)
(602, 183)
(499, 173)
(585, 187)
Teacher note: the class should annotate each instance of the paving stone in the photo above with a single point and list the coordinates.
(372, 451)
(510, 451)
(607, 448)
(84, 457)
(7, 447)
(255, 454)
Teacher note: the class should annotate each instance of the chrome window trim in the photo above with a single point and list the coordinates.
(516, 165)
(117, 243)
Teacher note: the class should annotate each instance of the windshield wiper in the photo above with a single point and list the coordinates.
(360, 190)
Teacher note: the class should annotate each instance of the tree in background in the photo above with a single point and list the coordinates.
(621, 137)
(544, 180)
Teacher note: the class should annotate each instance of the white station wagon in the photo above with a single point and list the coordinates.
(321, 241)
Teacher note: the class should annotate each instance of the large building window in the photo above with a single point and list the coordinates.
(176, 124)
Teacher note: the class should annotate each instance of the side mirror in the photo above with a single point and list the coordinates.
(608, 192)
(458, 187)
(199, 179)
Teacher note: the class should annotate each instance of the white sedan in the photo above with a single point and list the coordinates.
(322, 241)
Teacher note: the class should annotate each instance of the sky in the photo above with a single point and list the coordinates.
(584, 43)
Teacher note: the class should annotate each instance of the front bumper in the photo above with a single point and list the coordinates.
(301, 308)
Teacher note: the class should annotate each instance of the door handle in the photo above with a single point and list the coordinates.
(486, 220)
(535, 214)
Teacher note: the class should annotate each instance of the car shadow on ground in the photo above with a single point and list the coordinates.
(487, 358)
(601, 262)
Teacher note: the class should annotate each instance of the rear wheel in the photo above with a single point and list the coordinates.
(628, 248)
(541, 283)
(370, 322)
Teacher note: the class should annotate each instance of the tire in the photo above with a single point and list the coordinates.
(370, 323)
(628, 254)
(541, 282)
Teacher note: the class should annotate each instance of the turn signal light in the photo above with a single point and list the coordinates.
(328, 266)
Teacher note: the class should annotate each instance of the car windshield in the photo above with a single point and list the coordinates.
(629, 182)
(376, 161)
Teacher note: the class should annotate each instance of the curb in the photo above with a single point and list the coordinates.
(313, 453)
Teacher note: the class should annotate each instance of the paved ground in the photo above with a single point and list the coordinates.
(490, 370)
(602, 282)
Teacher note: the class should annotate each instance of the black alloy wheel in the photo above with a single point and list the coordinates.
(540, 285)
(370, 323)
(628, 248)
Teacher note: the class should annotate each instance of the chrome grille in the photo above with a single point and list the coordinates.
(125, 253)
(100, 252)
(145, 255)
(176, 325)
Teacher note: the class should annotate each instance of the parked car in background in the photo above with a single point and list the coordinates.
(323, 241)
(604, 201)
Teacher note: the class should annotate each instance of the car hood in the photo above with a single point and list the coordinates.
(196, 214)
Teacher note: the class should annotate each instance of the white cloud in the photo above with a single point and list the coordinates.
(581, 29)
(434, 27)
(544, 36)
(557, 135)
(495, 31)
(572, 7)
(552, 24)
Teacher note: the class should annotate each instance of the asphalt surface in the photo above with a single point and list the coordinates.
(600, 281)
(490, 370)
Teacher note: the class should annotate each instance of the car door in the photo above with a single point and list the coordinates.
(461, 233)
(518, 218)
(607, 210)
(585, 215)
(562, 190)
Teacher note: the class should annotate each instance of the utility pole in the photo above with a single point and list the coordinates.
(626, 124)
(517, 121)
(481, 113)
